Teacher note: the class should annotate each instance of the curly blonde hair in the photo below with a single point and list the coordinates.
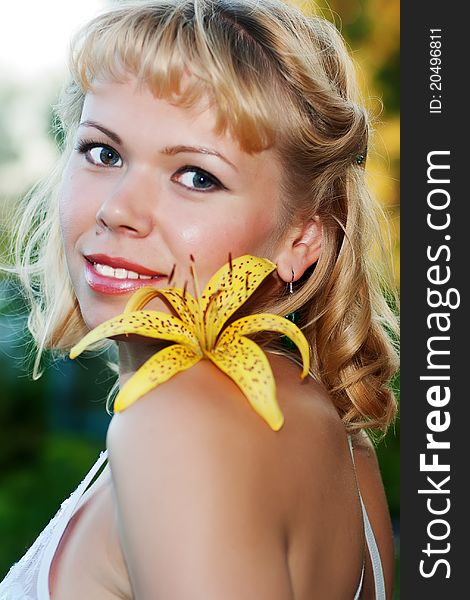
(279, 79)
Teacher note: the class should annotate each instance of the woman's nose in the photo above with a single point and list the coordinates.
(126, 208)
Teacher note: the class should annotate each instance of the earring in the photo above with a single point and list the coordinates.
(287, 342)
(290, 286)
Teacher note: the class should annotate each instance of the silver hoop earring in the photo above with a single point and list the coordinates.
(287, 342)
(291, 282)
(291, 316)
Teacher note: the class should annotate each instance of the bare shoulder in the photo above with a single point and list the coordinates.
(197, 488)
(200, 423)
(197, 411)
(200, 419)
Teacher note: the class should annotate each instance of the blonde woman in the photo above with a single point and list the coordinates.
(198, 130)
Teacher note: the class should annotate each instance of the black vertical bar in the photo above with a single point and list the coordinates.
(435, 242)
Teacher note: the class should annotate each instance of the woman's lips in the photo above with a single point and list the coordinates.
(117, 262)
(106, 284)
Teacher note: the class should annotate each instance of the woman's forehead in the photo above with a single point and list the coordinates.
(128, 99)
(131, 100)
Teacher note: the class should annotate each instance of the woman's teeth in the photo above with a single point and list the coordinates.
(108, 271)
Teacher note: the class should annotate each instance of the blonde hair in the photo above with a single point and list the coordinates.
(281, 80)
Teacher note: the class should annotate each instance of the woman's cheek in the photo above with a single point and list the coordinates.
(209, 242)
(191, 235)
(66, 219)
(69, 216)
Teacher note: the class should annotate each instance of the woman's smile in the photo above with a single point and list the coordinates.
(116, 275)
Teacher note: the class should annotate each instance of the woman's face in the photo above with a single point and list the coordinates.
(148, 185)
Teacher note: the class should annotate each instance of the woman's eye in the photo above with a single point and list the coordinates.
(100, 154)
(196, 179)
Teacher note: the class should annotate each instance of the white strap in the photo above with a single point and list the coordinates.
(374, 554)
(68, 507)
(359, 588)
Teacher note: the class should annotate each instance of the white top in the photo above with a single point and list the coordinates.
(28, 579)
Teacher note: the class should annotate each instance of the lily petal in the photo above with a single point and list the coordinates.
(182, 302)
(140, 298)
(244, 362)
(268, 322)
(228, 289)
(150, 323)
(156, 370)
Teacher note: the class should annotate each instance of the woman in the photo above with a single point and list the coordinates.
(197, 131)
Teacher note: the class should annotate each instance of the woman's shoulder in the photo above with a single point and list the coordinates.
(201, 399)
(198, 429)
(206, 407)
(198, 483)
(201, 419)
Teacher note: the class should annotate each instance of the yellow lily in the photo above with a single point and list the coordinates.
(198, 332)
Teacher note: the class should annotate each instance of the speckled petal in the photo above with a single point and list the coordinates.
(150, 323)
(182, 301)
(244, 362)
(158, 369)
(229, 288)
(267, 322)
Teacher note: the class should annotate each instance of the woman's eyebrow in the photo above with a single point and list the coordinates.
(172, 150)
(110, 134)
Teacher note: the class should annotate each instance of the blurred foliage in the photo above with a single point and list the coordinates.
(53, 428)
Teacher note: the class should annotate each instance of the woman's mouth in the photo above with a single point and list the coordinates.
(119, 273)
(109, 275)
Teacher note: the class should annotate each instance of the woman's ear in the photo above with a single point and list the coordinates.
(300, 250)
